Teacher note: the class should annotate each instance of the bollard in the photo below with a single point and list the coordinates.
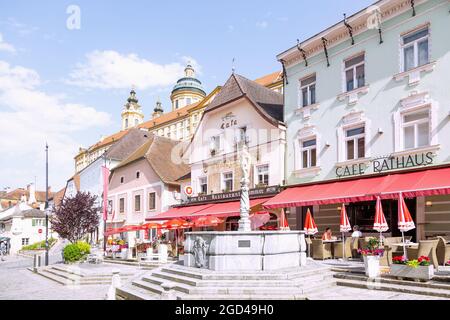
(115, 283)
(35, 262)
(39, 264)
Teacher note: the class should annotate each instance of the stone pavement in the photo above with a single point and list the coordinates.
(16, 282)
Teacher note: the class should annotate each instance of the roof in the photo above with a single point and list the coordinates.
(17, 194)
(270, 79)
(128, 144)
(167, 117)
(58, 196)
(106, 141)
(268, 102)
(157, 151)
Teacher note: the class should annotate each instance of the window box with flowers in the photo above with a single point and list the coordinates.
(419, 270)
(371, 255)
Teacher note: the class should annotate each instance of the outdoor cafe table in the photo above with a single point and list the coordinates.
(332, 244)
(406, 244)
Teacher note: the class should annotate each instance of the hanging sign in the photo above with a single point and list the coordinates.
(188, 190)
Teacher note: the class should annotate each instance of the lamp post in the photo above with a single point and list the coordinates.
(46, 204)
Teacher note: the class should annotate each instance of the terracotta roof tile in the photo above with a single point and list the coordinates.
(270, 79)
(157, 150)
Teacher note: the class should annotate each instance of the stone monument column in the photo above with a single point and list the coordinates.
(245, 161)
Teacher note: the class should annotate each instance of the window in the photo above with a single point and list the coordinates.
(241, 135)
(25, 241)
(110, 206)
(263, 174)
(122, 179)
(227, 181)
(415, 49)
(136, 121)
(232, 224)
(308, 90)
(138, 174)
(354, 72)
(188, 101)
(126, 123)
(176, 104)
(152, 201)
(122, 205)
(215, 144)
(416, 129)
(137, 202)
(203, 182)
(355, 143)
(38, 222)
(308, 153)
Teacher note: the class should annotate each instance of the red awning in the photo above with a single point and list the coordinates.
(412, 184)
(179, 212)
(227, 208)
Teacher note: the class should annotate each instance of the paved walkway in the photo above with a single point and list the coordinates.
(18, 283)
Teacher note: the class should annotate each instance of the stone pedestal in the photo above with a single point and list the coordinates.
(253, 250)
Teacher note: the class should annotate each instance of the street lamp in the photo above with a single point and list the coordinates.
(46, 204)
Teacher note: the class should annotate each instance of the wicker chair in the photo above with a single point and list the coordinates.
(442, 251)
(425, 248)
(321, 250)
(337, 250)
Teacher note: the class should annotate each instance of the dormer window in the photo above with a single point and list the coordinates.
(122, 179)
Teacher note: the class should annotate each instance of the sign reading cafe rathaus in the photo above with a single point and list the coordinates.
(386, 163)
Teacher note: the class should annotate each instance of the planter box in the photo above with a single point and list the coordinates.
(372, 266)
(419, 273)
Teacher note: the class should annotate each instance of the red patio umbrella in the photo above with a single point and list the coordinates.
(380, 223)
(177, 224)
(310, 227)
(205, 221)
(344, 226)
(405, 221)
(284, 225)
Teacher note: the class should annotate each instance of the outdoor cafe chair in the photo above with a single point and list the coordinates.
(337, 250)
(425, 248)
(321, 250)
(442, 251)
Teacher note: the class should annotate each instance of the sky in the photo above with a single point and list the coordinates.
(66, 67)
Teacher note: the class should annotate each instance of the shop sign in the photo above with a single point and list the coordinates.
(228, 121)
(386, 163)
(236, 195)
(188, 190)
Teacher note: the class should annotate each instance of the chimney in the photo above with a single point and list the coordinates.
(31, 188)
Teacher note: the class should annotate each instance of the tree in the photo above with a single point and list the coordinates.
(76, 216)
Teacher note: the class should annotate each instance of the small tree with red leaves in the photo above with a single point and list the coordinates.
(75, 217)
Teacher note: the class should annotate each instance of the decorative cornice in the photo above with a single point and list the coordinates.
(339, 32)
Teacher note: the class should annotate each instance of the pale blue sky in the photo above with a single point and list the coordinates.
(44, 66)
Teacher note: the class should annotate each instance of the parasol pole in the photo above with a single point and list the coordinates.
(404, 247)
(343, 246)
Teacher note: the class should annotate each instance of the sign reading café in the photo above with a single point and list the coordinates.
(386, 163)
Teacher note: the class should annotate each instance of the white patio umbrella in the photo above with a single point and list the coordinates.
(380, 223)
(344, 226)
(405, 221)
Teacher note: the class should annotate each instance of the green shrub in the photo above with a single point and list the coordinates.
(84, 247)
(72, 253)
(39, 245)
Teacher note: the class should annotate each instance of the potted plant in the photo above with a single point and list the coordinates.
(371, 255)
(420, 269)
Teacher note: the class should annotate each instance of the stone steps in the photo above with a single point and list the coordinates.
(71, 277)
(389, 284)
(195, 284)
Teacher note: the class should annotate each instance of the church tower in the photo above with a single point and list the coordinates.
(158, 111)
(132, 114)
(188, 89)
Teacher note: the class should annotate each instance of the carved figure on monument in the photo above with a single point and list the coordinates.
(200, 247)
(245, 163)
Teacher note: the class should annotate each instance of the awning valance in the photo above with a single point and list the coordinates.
(231, 208)
(411, 184)
(179, 212)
